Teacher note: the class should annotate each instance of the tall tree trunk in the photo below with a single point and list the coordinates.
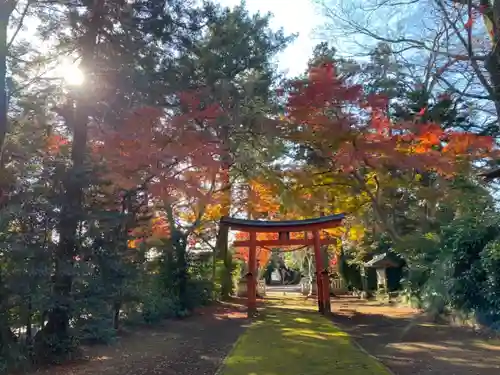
(7, 337)
(179, 244)
(492, 65)
(71, 207)
(224, 256)
(493, 68)
(6, 8)
(71, 212)
(223, 233)
(214, 272)
(29, 323)
(116, 314)
(70, 217)
(382, 219)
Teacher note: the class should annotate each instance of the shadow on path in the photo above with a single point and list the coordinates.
(411, 345)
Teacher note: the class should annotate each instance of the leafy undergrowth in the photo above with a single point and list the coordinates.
(295, 342)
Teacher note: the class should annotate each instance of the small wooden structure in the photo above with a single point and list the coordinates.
(283, 228)
(381, 263)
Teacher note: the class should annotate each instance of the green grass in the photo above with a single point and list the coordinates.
(287, 342)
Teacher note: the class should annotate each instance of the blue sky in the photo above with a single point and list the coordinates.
(301, 18)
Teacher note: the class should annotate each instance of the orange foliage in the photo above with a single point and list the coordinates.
(175, 157)
(262, 199)
(352, 143)
(171, 152)
(157, 228)
(54, 143)
(263, 256)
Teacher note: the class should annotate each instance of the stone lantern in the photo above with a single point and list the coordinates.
(381, 263)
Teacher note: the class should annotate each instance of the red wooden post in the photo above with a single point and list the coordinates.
(327, 308)
(319, 262)
(251, 279)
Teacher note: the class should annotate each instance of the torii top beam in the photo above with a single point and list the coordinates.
(322, 222)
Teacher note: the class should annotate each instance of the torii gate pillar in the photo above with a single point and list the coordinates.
(252, 275)
(322, 277)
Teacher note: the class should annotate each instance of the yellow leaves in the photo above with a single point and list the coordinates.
(209, 212)
(188, 217)
(335, 232)
(262, 198)
(356, 232)
(213, 212)
(353, 232)
(134, 244)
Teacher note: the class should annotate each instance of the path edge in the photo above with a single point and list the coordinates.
(363, 350)
(231, 351)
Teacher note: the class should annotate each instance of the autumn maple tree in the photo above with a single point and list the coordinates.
(354, 141)
(165, 151)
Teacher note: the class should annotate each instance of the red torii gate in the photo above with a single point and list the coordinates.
(283, 228)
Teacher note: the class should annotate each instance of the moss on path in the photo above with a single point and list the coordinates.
(297, 343)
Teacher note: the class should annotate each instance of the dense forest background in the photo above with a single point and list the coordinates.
(129, 128)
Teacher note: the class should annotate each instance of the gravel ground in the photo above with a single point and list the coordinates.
(194, 346)
(411, 345)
